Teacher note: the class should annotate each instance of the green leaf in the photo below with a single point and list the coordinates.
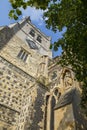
(18, 12)
(51, 46)
(15, 17)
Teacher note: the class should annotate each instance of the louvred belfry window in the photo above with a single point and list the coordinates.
(39, 38)
(23, 55)
(32, 33)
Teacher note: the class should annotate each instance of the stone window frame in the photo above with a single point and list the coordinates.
(32, 32)
(23, 55)
(39, 38)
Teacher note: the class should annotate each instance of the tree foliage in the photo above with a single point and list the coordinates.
(71, 14)
(18, 4)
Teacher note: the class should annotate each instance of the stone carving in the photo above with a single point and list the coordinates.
(67, 79)
(68, 90)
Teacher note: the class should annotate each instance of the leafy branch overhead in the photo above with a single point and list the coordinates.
(71, 14)
(18, 4)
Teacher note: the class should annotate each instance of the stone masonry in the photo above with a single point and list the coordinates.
(35, 92)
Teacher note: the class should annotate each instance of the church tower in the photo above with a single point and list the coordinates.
(24, 54)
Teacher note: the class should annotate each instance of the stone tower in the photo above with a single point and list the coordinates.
(35, 92)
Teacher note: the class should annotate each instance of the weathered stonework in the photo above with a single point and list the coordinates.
(35, 92)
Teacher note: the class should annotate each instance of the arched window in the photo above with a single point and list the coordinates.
(32, 33)
(49, 113)
(39, 38)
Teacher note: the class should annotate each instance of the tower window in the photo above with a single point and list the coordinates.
(23, 55)
(39, 38)
(32, 33)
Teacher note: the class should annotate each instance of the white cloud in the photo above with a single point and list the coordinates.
(36, 15)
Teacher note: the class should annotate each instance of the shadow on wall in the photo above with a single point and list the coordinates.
(37, 110)
(73, 117)
(7, 33)
(81, 121)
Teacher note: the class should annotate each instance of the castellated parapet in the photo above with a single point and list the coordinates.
(35, 92)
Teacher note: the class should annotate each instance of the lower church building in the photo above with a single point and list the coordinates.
(35, 92)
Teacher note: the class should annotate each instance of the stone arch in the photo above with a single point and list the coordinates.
(49, 112)
(51, 99)
(65, 70)
(67, 79)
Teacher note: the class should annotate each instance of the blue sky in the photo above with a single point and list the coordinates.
(36, 18)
